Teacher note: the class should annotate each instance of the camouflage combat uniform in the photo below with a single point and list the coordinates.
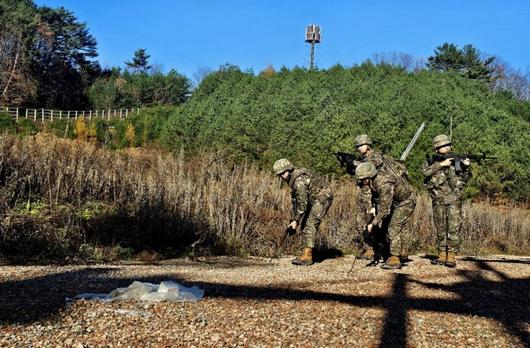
(395, 203)
(364, 203)
(445, 188)
(311, 197)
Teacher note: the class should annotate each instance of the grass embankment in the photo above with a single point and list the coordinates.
(72, 199)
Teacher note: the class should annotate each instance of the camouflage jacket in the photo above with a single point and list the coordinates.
(375, 157)
(444, 184)
(364, 193)
(389, 192)
(307, 188)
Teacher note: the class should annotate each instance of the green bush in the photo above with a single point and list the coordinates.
(61, 128)
(307, 115)
(26, 127)
(7, 123)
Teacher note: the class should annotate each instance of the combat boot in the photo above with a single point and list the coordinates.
(404, 259)
(306, 259)
(451, 260)
(393, 262)
(367, 255)
(440, 260)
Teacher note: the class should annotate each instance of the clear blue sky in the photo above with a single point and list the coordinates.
(186, 35)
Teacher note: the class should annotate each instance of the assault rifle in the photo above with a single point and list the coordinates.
(348, 161)
(457, 159)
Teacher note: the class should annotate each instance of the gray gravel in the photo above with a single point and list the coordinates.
(258, 302)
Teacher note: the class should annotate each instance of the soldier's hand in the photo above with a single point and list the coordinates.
(369, 228)
(447, 162)
(466, 162)
(372, 211)
(293, 225)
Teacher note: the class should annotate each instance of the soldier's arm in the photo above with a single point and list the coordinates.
(386, 195)
(431, 169)
(301, 196)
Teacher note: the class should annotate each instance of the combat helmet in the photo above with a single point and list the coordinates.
(440, 141)
(365, 170)
(282, 165)
(363, 139)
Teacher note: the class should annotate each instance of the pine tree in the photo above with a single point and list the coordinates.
(140, 61)
(466, 61)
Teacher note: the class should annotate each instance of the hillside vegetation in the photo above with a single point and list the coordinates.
(307, 115)
(72, 199)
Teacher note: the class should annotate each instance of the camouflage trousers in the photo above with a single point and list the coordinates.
(311, 224)
(399, 235)
(448, 224)
(362, 217)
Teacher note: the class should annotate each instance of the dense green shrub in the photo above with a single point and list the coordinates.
(7, 123)
(123, 90)
(308, 115)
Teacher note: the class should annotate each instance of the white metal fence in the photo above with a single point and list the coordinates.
(44, 115)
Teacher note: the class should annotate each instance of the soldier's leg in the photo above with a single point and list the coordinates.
(441, 219)
(398, 239)
(363, 202)
(454, 238)
(454, 214)
(312, 224)
(397, 228)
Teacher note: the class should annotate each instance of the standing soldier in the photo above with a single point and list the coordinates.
(364, 205)
(311, 197)
(445, 187)
(395, 203)
(363, 144)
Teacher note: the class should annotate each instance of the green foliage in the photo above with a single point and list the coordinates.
(7, 123)
(466, 61)
(26, 127)
(61, 128)
(140, 61)
(307, 115)
(139, 89)
(55, 53)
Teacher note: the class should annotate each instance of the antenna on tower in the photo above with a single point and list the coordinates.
(312, 36)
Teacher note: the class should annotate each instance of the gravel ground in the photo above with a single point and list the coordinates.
(258, 302)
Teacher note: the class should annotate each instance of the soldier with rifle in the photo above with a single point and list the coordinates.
(446, 175)
(395, 202)
(374, 244)
(311, 197)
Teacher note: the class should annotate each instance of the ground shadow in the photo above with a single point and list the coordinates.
(504, 301)
(322, 254)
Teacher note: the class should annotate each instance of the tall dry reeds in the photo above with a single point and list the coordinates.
(141, 198)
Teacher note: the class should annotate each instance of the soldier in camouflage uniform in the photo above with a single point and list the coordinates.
(311, 198)
(445, 187)
(395, 203)
(365, 206)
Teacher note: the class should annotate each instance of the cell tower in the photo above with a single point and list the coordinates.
(312, 36)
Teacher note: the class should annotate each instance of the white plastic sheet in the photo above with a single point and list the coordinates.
(165, 291)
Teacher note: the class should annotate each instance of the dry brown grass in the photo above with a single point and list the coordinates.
(150, 199)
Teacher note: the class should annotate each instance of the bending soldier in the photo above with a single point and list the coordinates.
(445, 185)
(395, 205)
(311, 197)
(365, 204)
